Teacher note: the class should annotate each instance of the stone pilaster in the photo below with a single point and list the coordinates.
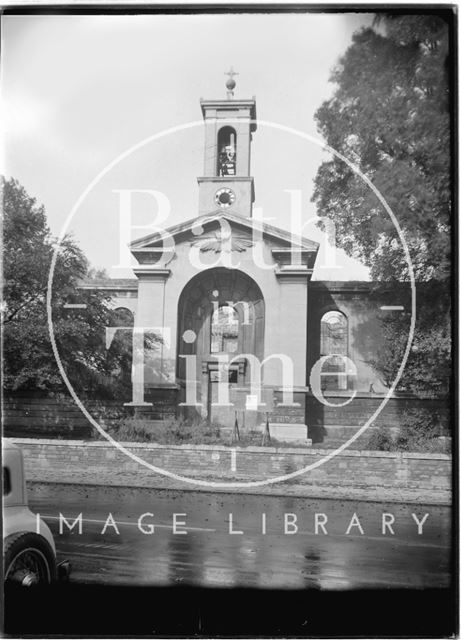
(152, 291)
(293, 280)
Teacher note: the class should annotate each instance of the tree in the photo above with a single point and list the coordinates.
(29, 362)
(428, 368)
(390, 116)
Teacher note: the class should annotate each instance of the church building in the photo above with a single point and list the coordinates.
(245, 331)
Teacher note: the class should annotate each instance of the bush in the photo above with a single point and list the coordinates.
(132, 430)
(380, 440)
(170, 432)
(180, 431)
(420, 431)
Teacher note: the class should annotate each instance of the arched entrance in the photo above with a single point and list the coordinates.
(220, 315)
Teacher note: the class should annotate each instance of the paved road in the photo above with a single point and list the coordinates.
(209, 555)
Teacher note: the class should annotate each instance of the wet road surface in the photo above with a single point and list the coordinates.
(209, 555)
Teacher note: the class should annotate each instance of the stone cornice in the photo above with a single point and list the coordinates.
(293, 272)
(210, 107)
(151, 255)
(224, 179)
(151, 273)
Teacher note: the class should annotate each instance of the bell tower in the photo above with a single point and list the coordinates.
(227, 184)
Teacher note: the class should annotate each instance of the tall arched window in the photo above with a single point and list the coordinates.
(334, 343)
(227, 152)
(224, 330)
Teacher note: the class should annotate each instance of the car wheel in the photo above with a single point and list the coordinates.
(28, 560)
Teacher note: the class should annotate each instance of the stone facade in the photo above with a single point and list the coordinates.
(224, 259)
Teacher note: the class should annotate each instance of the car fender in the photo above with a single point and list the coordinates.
(19, 519)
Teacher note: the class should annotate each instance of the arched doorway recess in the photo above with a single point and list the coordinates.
(221, 314)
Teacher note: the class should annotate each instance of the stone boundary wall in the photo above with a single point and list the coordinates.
(55, 417)
(364, 405)
(43, 417)
(428, 476)
(61, 418)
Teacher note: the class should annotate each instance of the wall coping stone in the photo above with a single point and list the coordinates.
(379, 395)
(360, 393)
(220, 448)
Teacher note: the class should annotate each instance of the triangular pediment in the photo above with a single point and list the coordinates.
(203, 228)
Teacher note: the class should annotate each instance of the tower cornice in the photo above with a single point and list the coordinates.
(226, 105)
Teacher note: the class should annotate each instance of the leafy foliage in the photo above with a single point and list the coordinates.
(178, 431)
(390, 116)
(417, 427)
(174, 431)
(380, 439)
(420, 430)
(428, 367)
(29, 362)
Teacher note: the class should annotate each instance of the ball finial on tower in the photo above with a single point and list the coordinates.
(230, 83)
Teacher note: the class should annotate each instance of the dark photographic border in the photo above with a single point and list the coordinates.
(76, 611)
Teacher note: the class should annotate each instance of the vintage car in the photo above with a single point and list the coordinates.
(29, 557)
